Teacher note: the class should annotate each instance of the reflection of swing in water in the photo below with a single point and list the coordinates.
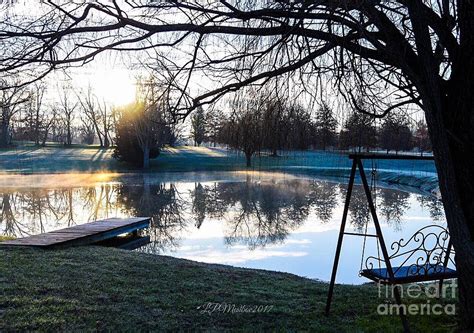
(431, 248)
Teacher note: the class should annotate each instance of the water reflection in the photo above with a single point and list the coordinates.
(253, 213)
(163, 203)
(263, 212)
(394, 205)
(434, 205)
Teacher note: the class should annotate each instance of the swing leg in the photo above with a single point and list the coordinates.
(341, 236)
(398, 299)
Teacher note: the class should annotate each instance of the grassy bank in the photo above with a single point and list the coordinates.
(58, 159)
(107, 289)
(29, 159)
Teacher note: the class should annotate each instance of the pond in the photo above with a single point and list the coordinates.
(271, 221)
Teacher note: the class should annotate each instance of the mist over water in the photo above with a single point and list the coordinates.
(258, 220)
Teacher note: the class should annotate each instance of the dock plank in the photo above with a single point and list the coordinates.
(82, 234)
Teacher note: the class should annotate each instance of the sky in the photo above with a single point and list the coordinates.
(112, 79)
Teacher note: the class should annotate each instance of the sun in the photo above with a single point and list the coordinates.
(115, 86)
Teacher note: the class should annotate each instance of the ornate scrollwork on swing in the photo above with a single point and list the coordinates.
(427, 252)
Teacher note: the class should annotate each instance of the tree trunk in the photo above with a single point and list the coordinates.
(274, 152)
(68, 138)
(451, 128)
(43, 142)
(106, 141)
(146, 157)
(45, 136)
(5, 135)
(456, 180)
(37, 128)
(248, 158)
(99, 134)
(106, 136)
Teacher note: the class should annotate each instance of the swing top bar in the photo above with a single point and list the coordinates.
(381, 156)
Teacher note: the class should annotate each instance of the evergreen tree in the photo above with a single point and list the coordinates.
(325, 127)
(198, 126)
(212, 125)
(395, 133)
(358, 132)
(140, 134)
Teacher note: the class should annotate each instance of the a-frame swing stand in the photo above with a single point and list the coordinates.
(392, 275)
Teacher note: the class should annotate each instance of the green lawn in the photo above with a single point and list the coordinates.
(88, 289)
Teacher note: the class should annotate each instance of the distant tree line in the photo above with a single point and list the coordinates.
(257, 123)
(73, 116)
(263, 124)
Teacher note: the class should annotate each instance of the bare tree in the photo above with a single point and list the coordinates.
(105, 122)
(11, 102)
(98, 114)
(399, 52)
(48, 122)
(243, 130)
(67, 108)
(89, 109)
(36, 118)
(87, 130)
(273, 124)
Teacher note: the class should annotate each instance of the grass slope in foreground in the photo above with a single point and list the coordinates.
(108, 289)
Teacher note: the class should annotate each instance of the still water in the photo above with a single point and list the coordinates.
(258, 220)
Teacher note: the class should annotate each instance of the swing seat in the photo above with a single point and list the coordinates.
(409, 274)
(429, 248)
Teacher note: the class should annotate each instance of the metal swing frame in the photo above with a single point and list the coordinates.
(389, 273)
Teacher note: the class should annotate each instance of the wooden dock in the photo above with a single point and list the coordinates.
(83, 234)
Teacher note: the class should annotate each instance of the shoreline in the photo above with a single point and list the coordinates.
(29, 161)
(413, 183)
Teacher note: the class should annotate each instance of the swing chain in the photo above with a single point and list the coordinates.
(373, 191)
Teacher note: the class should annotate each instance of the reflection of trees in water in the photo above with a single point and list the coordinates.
(38, 210)
(163, 203)
(254, 213)
(433, 205)
(390, 204)
(325, 199)
(260, 213)
(99, 201)
(36, 204)
(358, 208)
(25, 213)
(8, 218)
(206, 201)
(393, 205)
